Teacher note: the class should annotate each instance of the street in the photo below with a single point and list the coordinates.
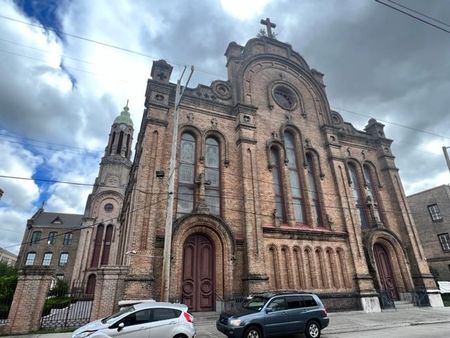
(410, 331)
(413, 331)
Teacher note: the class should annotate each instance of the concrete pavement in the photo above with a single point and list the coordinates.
(340, 322)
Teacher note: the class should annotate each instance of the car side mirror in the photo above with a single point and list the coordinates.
(120, 326)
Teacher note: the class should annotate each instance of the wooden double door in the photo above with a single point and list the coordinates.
(198, 283)
(385, 271)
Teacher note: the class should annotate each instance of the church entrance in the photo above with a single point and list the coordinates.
(198, 282)
(385, 271)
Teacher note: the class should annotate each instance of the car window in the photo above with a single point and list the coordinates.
(293, 302)
(308, 301)
(116, 315)
(164, 313)
(277, 304)
(255, 303)
(139, 317)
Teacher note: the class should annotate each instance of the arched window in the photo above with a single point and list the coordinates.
(186, 175)
(112, 142)
(119, 146)
(297, 198)
(368, 178)
(358, 195)
(107, 245)
(212, 174)
(97, 246)
(313, 190)
(277, 184)
(47, 258)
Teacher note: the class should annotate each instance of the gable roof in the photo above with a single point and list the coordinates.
(55, 219)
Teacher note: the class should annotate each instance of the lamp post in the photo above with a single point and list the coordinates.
(447, 159)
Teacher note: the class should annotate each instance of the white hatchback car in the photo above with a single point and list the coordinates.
(151, 319)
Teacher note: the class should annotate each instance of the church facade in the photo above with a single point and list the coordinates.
(273, 191)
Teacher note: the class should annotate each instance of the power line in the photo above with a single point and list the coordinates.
(120, 48)
(414, 16)
(395, 123)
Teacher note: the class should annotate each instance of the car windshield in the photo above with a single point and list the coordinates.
(122, 312)
(255, 303)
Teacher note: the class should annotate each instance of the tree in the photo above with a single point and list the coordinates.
(8, 282)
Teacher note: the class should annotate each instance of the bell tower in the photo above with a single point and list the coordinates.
(100, 228)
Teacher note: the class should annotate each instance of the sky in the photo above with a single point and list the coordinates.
(61, 87)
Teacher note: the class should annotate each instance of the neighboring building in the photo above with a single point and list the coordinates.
(431, 212)
(51, 239)
(100, 230)
(7, 257)
(274, 191)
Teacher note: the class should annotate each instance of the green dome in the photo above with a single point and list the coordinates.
(124, 117)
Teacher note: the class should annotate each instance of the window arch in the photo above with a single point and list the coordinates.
(294, 178)
(97, 246)
(358, 195)
(186, 175)
(212, 175)
(313, 190)
(107, 245)
(277, 184)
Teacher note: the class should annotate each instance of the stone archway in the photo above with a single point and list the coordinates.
(213, 236)
(389, 262)
(198, 279)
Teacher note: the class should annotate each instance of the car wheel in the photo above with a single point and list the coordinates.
(253, 332)
(312, 329)
(180, 336)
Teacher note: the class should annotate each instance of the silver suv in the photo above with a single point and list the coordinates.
(151, 319)
(271, 315)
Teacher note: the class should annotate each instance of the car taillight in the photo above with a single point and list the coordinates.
(325, 312)
(188, 317)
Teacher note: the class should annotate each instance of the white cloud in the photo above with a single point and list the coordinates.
(244, 9)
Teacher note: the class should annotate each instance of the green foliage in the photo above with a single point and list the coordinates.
(8, 282)
(59, 302)
(61, 288)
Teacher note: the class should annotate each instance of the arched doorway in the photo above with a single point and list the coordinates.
(198, 282)
(90, 287)
(385, 271)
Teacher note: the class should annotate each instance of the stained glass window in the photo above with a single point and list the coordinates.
(297, 199)
(186, 175)
(212, 176)
(357, 195)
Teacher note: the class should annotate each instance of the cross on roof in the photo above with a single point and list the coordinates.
(269, 25)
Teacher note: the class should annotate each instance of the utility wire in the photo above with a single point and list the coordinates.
(414, 16)
(394, 123)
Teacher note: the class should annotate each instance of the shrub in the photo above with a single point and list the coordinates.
(55, 303)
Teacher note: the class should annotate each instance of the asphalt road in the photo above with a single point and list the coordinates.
(413, 331)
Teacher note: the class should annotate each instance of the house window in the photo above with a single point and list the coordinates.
(212, 176)
(445, 241)
(30, 258)
(294, 179)
(63, 258)
(435, 213)
(68, 238)
(277, 184)
(60, 276)
(186, 175)
(36, 237)
(51, 238)
(47, 259)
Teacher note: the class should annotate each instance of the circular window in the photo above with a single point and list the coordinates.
(109, 207)
(285, 97)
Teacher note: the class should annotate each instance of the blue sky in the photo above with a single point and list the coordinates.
(59, 94)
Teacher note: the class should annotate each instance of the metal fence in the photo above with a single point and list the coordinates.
(417, 297)
(66, 308)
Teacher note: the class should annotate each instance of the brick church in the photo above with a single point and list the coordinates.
(273, 191)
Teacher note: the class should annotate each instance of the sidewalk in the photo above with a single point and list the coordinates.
(340, 322)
